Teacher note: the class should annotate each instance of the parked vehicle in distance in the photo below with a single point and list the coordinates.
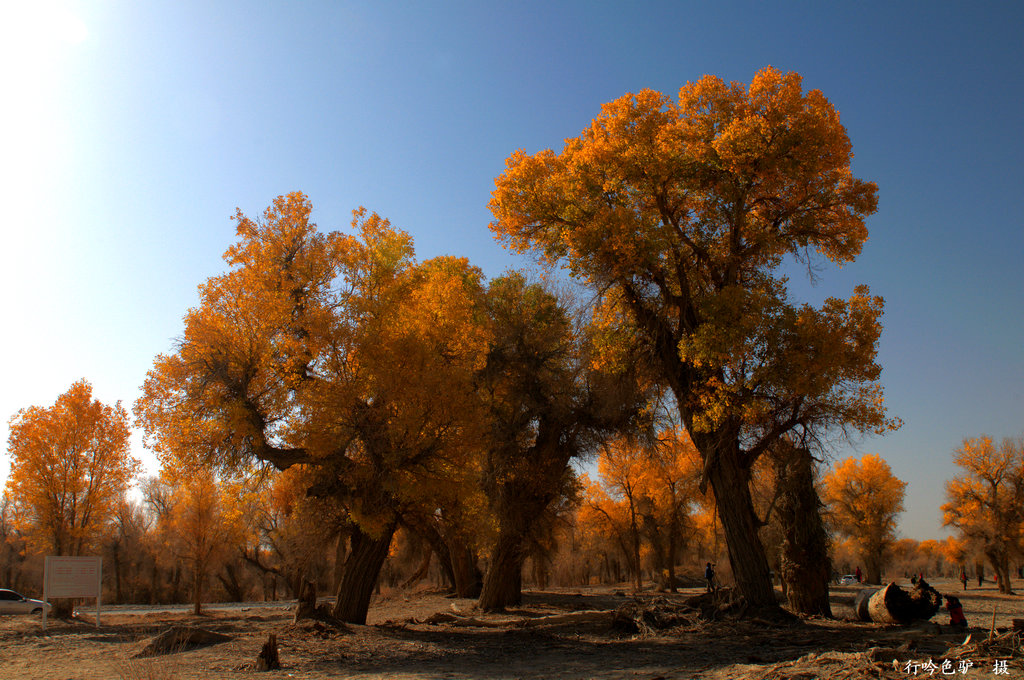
(848, 580)
(14, 603)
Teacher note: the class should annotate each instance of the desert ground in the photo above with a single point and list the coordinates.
(554, 634)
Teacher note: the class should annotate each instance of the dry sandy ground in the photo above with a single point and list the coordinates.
(399, 644)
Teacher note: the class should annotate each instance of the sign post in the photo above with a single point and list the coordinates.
(72, 577)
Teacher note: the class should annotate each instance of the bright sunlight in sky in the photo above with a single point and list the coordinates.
(130, 131)
(38, 41)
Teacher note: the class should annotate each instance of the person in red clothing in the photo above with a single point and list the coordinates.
(956, 612)
(963, 577)
(857, 573)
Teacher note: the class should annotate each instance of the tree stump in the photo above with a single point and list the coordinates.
(268, 660)
(306, 608)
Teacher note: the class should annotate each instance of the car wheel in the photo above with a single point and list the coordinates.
(37, 610)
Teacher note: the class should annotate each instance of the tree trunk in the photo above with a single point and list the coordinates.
(805, 565)
(421, 571)
(634, 530)
(468, 579)
(671, 557)
(305, 607)
(873, 567)
(655, 536)
(362, 568)
(339, 559)
(730, 481)
(503, 582)
(1000, 561)
(118, 595)
(197, 590)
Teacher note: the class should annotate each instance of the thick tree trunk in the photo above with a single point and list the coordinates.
(805, 565)
(339, 559)
(1000, 561)
(362, 568)
(730, 481)
(503, 582)
(873, 567)
(468, 579)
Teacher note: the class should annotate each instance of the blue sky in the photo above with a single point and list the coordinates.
(131, 131)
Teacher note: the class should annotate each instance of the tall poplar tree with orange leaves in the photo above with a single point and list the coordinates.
(986, 501)
(336, 351)
(70, 467)
(679, 213)
(863, 498)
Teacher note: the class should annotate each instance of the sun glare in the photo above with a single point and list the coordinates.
(37, 42)
(32, 27)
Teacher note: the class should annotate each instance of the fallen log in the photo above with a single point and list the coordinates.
(586, 616)
(860, 603)
(892, 604)
(461, 621)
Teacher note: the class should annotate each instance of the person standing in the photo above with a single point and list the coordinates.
(709, 576)
(858, 574)
(963, 577)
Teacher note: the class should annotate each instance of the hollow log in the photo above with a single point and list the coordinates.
(860, 603)
(892, 604)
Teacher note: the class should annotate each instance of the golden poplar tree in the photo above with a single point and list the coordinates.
(680, 213)
(337, 351)
(863, 499)
(70, 467)
(986, 501)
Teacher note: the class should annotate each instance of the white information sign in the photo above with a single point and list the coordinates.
(65, 576)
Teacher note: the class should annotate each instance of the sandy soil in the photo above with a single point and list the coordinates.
(398, 643)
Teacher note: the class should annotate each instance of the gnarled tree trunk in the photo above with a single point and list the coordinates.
(362, 568)
(805, 565)
(731, 483)
(469, 581)
(503, 582)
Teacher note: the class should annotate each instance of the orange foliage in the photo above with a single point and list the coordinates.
(70, 466)
(328, 350)
(863, 498)
(986, 502)
(205, 523)
(647, 498)
(679, 213)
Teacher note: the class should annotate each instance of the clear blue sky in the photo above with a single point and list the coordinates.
(131, 130)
